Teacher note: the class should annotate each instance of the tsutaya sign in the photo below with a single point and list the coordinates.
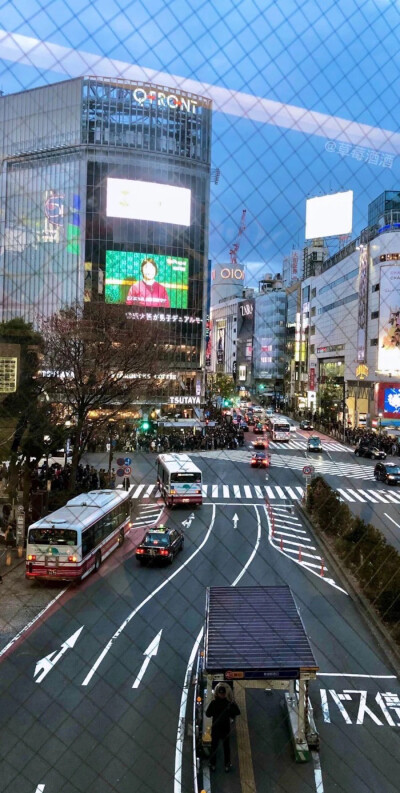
(184, 400)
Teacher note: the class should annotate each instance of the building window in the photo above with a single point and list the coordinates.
(312, 330)
(8, 375)
(313, 311)
(374, 342)
(314, 292)
(374, 314)
(312, 349)
(375, 288)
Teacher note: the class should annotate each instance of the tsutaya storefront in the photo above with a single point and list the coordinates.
(187, 407)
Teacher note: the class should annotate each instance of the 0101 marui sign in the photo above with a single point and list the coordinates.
(146, 279)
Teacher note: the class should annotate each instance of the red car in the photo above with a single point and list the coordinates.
(260, 460)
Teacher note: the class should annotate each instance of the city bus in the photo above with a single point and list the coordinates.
(74, 540)
(179, 479)
(279, 429)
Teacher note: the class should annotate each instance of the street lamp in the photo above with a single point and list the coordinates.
(380, 424)
(47, 440)
(67, 425)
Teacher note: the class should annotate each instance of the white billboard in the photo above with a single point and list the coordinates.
(329, 215)
(389, 320)
(136, 200)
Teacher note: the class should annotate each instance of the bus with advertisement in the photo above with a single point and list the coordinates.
(279, 429)
(73, 541)
(179, 480)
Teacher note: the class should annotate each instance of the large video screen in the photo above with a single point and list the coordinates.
(136, 200)
(329, 215)
(146, 279)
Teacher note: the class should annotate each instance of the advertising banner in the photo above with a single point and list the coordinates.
(220, 342)
(362, 303)
(146, 279)
(389, 320)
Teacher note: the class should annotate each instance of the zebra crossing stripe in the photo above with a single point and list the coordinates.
(394, 499)
(291, 492)
(304, 553)
(236, 491)
(204, 490)
(214, 493)
(369, 497)
(355, 494)
(345, 495)
(280, 492)
(138, 491)
(300, 491)
(225, 491)
(247, 491)
(148, 491)
(258, 490)
(270, 492)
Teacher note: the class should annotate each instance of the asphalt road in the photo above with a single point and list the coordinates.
(92, 718)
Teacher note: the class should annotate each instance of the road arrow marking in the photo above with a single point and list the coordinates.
(45, 665)
(186, 523)
(39, 789)
(151, 650)
(235, 520)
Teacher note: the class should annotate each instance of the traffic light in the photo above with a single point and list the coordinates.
(261, 387)
(145, 425)
(227, 403)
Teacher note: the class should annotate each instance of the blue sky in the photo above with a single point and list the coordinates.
(341, 61)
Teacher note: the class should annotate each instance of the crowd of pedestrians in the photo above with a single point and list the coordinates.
(223, 435)
(87, 478)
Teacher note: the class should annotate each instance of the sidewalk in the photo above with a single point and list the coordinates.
(10, 558)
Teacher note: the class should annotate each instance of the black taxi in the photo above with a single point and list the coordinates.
(160, 544)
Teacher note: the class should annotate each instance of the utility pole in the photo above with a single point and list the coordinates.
(344, 410)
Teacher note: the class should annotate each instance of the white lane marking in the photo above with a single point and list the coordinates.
(32, 622)
(300, 490)
(145, 521)
(254, 551)
(204, 490)
(306, 565)
(356, 674)
(138, 491)
(146, 600)
(187, 681)
(280, 491)
(236, 491)
(381, 498)
(180, 735)
(325, 705)
(151, 650)
(303, 553)
(46, 664)
(247, 491)
(148, 507)
(214, 491)
(259, 492)
(225, 491)
(270, 492)
(40, 789)
(289, 542)
(319, 787)
(393, 521)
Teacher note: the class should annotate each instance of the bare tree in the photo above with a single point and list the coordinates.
(96, 360)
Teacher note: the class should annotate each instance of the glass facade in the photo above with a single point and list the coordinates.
(269, 336)
(385, 204)
(63, 242)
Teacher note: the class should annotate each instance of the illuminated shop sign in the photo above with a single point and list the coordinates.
(391, 400)
(236, 273)
(246, 309)
(133, 199)
(184, 400)
(389, 320)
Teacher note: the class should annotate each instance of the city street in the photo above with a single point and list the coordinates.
(91, 693)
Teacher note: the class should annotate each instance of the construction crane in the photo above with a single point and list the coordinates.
(235, 247)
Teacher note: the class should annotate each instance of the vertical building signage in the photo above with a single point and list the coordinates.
(311, 379)
(389, 320)
(362, 303)
(220, 341)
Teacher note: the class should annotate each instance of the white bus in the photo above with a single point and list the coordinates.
(179, 479)
(279, 429)
(74, 540)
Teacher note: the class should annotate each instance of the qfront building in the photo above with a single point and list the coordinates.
(105, 197)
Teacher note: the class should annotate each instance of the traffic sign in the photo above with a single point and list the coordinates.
(308, 470)
(127, 470)
(121, 461)
(128, 461)
(120, 472)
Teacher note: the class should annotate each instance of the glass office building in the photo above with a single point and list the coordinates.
(105, 196)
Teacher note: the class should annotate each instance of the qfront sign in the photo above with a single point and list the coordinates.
(184, 400)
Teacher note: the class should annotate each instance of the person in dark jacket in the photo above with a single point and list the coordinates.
(222, 709)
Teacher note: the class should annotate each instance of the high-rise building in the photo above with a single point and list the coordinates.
(105, 196)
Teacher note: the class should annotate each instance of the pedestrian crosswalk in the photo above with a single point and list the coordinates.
(251, 493)
(354, 470)
(329, 445)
